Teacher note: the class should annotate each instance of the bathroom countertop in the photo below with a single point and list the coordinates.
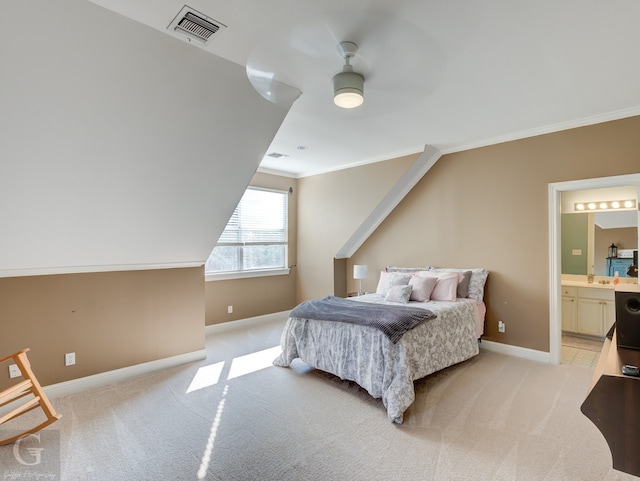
(595, 285)
(626, 287)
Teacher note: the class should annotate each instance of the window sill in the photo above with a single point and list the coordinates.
(225, 276)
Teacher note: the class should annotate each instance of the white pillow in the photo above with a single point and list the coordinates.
(383, 283)
(400, 293)
(396, 279)
(446, 285)
(422, 287)
(390, 279)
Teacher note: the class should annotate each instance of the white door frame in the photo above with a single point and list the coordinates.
(555, 211)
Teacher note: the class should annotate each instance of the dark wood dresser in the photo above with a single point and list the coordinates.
(613, 404)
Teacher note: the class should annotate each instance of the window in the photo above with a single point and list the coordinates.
(255, 238)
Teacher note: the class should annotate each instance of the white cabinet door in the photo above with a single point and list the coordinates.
(590, 316)
(608, 315)
(569, 314)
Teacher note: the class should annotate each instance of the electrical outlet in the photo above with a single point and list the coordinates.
(14, 371)
(501, 326)
(230, 309)
(70, 359)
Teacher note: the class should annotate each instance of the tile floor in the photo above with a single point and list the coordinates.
(580, 351)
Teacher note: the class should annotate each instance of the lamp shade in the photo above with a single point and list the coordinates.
(359, 272)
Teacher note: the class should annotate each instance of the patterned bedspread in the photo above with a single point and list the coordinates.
(366, 356)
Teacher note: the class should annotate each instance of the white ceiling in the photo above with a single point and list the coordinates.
(616, 220)
(100, 167)
(451, 74)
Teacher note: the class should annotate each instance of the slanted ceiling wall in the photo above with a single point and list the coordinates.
(121, 147)
(123, 152)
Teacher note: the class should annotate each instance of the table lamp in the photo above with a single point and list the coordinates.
(360, 272)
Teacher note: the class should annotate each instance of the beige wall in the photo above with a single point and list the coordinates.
(330, 207)
(110, 320)
(623, 238)
(257, 296)
(485, 207)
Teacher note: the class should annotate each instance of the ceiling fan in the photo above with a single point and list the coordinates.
(400, 61)
(348, 86)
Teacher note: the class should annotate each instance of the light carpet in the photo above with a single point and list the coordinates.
(492, 418)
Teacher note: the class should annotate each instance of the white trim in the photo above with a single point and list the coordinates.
(245, 323)
(224, 276)
(101, 379)
(546, 129)
(555, 190)
(281, 173)
(83, 383)
(411, 177)
(249, 322)
(515, 351)
(47, 271)
(555, 306)
(498, 139)
(411, 150)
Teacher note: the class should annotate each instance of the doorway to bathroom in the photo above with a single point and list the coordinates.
(555, 248)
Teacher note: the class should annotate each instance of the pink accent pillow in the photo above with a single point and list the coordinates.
(446, 285)
(422, 287)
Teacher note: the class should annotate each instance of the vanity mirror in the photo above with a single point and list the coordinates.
(587, 236)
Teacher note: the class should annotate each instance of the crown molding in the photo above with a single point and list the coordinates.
(546, 129)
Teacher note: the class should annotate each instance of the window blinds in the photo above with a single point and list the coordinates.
(259, 219)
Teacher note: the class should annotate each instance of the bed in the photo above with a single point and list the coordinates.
(388, 369)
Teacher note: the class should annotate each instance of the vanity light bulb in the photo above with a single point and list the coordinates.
(591, 205)
(628, 204)
(615, 204)
(580, 206)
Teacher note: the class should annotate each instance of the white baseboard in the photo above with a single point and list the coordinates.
(516, 351)
(244, 323)
(498, 347)
(104, 378)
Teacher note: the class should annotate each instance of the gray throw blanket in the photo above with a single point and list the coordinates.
(393, 321)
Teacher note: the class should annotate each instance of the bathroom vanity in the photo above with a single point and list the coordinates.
(587, 309)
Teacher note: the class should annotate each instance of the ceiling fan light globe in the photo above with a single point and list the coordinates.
(348, 90)
(348, 100)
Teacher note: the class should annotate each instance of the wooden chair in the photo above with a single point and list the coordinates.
(33, 394)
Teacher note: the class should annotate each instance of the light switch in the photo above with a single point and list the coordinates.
(576, 252)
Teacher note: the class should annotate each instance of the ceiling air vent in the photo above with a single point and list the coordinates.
(195, 26)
